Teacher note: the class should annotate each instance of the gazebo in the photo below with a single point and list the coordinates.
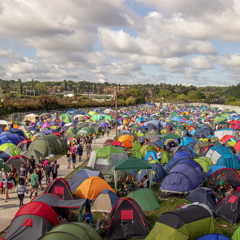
(132, 163)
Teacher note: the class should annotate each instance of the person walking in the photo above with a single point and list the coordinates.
(40, 173)
(88, 149)
(55, 167)
(73, 156)
(5, 187)
(68, 158)
(21, 190)
(34, 183)
(22, 172)
(80, 152)
(13, 172)
(47, 170)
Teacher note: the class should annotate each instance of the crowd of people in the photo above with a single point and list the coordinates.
(30, 174)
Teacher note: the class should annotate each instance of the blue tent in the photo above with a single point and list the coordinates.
(181, 179)
(152, 153)
(229, 160)
(5, 156)
(204, 131)
(17, 131)
(214, 236)
(186, 149)
(204, 195)
(186, 140)
(80, 176)
(158, 172)
(177, 157)
(14, 138)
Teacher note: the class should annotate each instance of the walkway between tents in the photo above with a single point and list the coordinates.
(9, 209)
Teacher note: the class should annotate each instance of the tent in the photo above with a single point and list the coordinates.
(127, 221)
(58, 203)
(16, 161)
(185, 176)
(35, 153)
(231, 177)
(59, 187)
(152, 153)
(48, 144)
(9, 148)
(146, 199)
(205, 163)
(80, 176)
(228, 160)
(204, 195)
(158, 172)
(72, 231)
(4, 156)
(215, 236)
(104, 202)
(236, 234)
(132, 163)
(215, 152)
(229, 208)
(226, 131)
(146, 148)
(31, 118)
(24, 145)
(91, 187)
(32, 221)
(187, 223)
(103, 158)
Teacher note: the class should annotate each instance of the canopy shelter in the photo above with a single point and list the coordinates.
(132, 163)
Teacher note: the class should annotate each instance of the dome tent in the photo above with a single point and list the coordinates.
(9, 148)
(127, 220)
(91, 187)
(33, 219)
(72, 231)
(187, 223)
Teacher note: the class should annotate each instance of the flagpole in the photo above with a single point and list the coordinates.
(116, 109)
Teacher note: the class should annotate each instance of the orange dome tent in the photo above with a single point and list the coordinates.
(127, 144)
(125, 137)
(91, 187)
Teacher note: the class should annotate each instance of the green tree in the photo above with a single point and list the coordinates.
(40, 88)
(131, 101)
(32, 84)
(19, 87)
(182, 98)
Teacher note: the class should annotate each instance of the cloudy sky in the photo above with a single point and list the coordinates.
(125, 41)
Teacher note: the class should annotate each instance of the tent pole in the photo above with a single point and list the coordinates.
(116, 109)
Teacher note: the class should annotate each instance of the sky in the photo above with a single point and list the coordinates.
(188, 42)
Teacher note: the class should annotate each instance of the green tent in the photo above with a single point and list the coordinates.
(109, 117)
(49, 144)
(236, 234)
(146, 199)
(96, 117)
(189, 222)
(146, 148)
(137, 146)
(64, 116)
(165, 157)
(68, 119)
(72, 231)
(132, 163)
(137, 154)
(102, 159)
(3, 165)
(10, 148)
(205, 162)
(85, 131)
(219, 119)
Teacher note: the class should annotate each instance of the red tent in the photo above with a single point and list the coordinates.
(33, 219)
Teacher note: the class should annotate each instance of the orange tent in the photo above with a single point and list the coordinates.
(127, 144)
(125, 137)
(91, 187)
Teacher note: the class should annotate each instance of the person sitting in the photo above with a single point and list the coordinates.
(144, 183)
(88, 217)
(104, 223)
(228, 189)
(150, 158)
(129, 179)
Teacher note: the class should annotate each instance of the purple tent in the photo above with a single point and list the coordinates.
(46, 125)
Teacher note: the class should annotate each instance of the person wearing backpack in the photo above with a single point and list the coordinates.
(80, 152)
(21, 190)
(55, 167)
(34, 183)
(48, 171)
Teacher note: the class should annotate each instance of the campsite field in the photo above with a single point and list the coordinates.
(168, 204)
